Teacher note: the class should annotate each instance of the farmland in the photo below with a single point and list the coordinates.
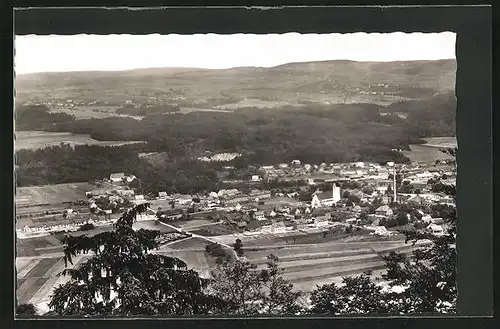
(51, 194)
(37, 277)
(309, 265)
(425, 154)
(40, 139)
(93, 112)
(44, 205)
(214, 230)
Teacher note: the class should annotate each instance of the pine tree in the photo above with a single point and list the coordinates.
(123, 277)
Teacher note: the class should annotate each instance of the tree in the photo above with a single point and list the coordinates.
(368, 190)
(402, 218)
(238, 247)
(26, 311)
(358, 295)
(123, 278)
(249, 291)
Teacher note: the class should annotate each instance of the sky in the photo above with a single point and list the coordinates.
(56, 53)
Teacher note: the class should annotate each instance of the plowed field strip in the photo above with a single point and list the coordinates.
(42, 267)
(369, 267)
(29, 288)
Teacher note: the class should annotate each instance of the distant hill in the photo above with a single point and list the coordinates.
(294, 83)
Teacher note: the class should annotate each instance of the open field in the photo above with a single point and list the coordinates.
(214, 230)
(153, 225)
(430, 152)
(425, 154)
(196, 260)
(52, 243)
(51, 220)
(94, 112)
(37, 277)
(441, 142)
(52, 194)
(194, 244)
(193, 223)
(39, 139)
(311, 265)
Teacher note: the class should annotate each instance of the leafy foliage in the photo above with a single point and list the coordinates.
(26, 311)
(249, 291)
(124, 278)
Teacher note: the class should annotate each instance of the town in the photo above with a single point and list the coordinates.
(359, 196)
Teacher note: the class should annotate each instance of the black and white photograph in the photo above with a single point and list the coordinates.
(235, 175)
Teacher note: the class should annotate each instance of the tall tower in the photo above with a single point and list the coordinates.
(394, 183)
(335, 193)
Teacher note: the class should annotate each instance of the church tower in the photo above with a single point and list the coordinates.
(336, 193)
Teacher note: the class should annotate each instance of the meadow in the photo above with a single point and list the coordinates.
(33, 140)
(52, 194)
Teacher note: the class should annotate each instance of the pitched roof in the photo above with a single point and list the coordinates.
(324, 195)
(117, 175)
(384, 208)
(265, 222)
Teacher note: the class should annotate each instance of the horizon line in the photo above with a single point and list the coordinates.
(226, 68)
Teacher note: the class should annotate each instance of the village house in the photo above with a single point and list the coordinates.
(278, 227)
(384, 211)
(375, 219)
(386, 199)
(266, 226)
(437, 221)
(130, 178)
(139, 199)
(272, 214)
(115, 198)
(256, 178)
(126, 192)
(149, 214)
(117, 177)
(435, 229)
(259, 215)
(162, 195)
(321, 221)
(296, 162)
(351, 221)
(96, 193)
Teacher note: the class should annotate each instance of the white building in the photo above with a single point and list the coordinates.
(259, 215)
(279, 227)
(255, 178)
(321, 221)
(117, 177)
(147, 215)
(139, 199)
(435, 229)
(326, 199)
